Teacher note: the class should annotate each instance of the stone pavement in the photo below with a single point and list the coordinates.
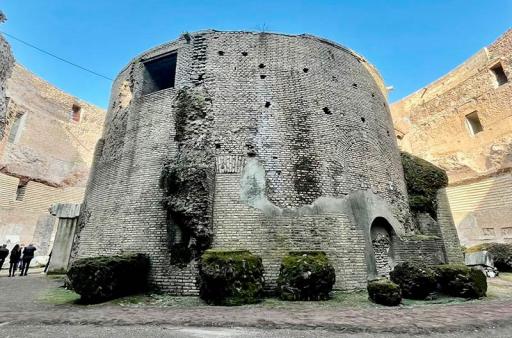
(19, 305)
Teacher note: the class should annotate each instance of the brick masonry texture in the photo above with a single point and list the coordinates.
(432, 125)
(303, 149)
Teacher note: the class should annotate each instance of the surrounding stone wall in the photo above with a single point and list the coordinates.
(301, 141)
(6, 64)
(46, 152)
(431, 123)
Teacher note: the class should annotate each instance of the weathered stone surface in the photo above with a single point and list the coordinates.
(479, 258)
(432, 124)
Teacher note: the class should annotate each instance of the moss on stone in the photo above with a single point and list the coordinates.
(423, 180)
(416, 281)
(385, 292)
(230, 277)
(458, 280)
(97, 279)
(305, 275)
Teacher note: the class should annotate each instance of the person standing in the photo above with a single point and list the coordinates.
(28, 254)
(14, 259)
(3, 255)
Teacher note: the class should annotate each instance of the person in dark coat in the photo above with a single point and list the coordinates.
(14, 259)
(3, 255)
(28, 254)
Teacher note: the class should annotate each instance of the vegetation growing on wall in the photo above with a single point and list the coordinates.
(187, 179)
(501, 254)
(423, 180)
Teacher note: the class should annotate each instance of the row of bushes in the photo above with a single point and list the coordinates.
(236, 277)
(417, 281)
(225, 277)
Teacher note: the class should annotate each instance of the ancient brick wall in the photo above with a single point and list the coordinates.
(45, 156)
(433, 124)
(6, 64)
(292, 125)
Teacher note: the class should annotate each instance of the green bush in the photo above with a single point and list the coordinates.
(416, 281)
(501, 254)
(230, 277)
(98, 279)
(461, 281)
(385, 292)
(305, 275)
(423, 180)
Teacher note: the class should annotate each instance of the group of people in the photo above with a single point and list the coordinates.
(20, 257)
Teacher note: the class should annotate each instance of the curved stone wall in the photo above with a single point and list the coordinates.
(285, 129)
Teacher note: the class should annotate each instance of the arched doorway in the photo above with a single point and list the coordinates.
(382, 237)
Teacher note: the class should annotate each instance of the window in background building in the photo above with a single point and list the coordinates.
(21, 190)
(17, 126)
(473, 123)
(75, 113)
(499, 74)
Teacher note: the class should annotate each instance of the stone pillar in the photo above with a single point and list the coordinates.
(67, 215)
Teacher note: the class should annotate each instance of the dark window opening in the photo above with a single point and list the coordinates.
(327, 111)
(217, 145)
(262, 76)
(261, 65)
(220, 52)
(354, 85)
(15, 129)
(160, 73)
(267, 104)
(305, 70)
(399, 137)
(21, 190)
(76, 111)
(473, 123)
(363, 119)
(499, 74)
(244, 53)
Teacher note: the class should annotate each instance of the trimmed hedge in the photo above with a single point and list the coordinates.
(230, 277)
(460, 281)
(305, 275)
(97, 279)
(423, 180)
(385, 292)
(417, 281)
(501, 254)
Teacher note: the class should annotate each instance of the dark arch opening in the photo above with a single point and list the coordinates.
(383, 243)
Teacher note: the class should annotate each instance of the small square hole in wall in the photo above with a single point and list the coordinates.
(473, 123)
(76, 112)
(159, 73)
(499, 74)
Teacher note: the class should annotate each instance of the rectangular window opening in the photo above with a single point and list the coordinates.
(20, 191)
(473, 123)
(160, 73)
(499, 74)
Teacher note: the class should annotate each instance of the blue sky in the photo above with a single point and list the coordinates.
(412, 43)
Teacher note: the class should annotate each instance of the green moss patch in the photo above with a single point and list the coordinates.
(423, 180)
(385, 292)
(460, 281)
(305, 275)
(417, 281)
(98, 279)
(228, 277)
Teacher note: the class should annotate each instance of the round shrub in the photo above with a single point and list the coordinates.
(416, 280)
(501, 254)
(460, 281)
(385, 292)
(230, 277)
(305, 275)
(97, 279)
